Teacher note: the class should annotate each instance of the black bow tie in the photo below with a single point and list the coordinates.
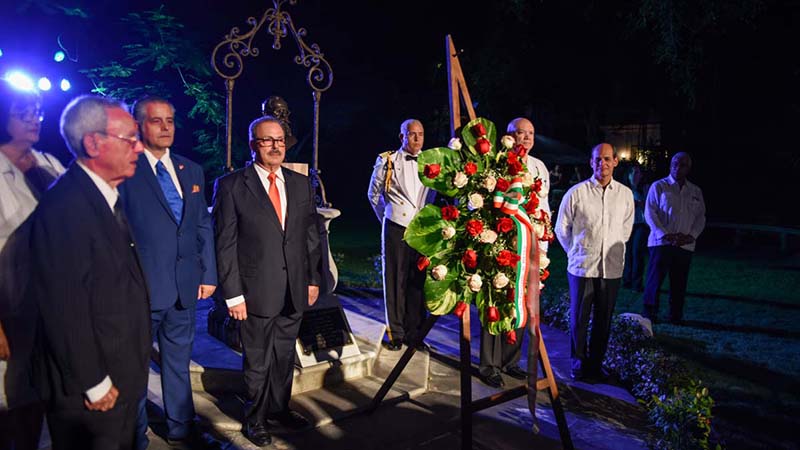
(411, 157)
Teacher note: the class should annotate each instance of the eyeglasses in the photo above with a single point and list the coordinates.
(28, 115)
(273, 142)
(131, 140)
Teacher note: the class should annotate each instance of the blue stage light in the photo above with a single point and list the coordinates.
(19, 80)
(44, 84)
(59, 56)
(65, 84)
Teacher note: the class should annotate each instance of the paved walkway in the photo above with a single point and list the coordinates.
(599, 416)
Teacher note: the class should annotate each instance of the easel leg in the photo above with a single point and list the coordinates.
(555, 400)
(466, 383)
(402, 363)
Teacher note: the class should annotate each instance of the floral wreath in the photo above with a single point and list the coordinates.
(477, 248)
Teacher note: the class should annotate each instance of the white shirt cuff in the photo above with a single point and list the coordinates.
(96, 393)
(235, 300)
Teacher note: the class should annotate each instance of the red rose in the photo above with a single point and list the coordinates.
(514, 168)
(507, 258)
(423, 263)
(544, 275)
(536, 186)
(449, 212)
(532, 204)
(520, 151)
(470, 168)
(492, 314)
(474, 227)
(502, 185)
(483, 146)
(470, 259)
(504, 225)
(432, 170)
(512, 158)
(511, 337)
(460, 308)
(478, 129)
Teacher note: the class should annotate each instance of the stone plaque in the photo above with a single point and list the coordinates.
(323, 329)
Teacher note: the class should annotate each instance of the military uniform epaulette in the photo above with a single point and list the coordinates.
(388, 168)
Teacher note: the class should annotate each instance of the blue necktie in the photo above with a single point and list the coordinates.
(174, 199)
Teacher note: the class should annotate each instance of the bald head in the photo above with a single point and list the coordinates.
(522, 131)
(680, 166)
(603, 161)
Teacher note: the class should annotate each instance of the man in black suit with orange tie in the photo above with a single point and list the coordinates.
(88, 285)
(268, 264)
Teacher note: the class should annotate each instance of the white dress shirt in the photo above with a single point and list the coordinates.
(167, 161)
(16, 200)
(593, 225)
(111, 195)
(672, 209)
(263, 175)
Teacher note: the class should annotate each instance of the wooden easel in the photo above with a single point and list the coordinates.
(457, 92)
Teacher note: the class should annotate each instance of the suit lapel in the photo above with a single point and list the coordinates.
(256, 188)
(150, 179)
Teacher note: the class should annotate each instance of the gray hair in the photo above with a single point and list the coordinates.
(140, 107)
(251, 131)
(83, 115)
(407, 123)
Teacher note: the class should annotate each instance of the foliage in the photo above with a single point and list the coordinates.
(159, 60)
(678, 404)
(477, 248)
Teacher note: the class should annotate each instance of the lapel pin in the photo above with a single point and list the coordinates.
(180, 166)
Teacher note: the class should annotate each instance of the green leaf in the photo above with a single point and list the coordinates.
(441, 296)
(449, 161)
(424, 233)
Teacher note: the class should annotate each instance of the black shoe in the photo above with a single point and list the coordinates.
(493, 379)
(257, 434)
(516, 372)
(393, 345)
(292, 420)
(421, 347)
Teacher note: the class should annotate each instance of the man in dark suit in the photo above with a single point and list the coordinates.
(167, 211)
(268, 260)
(89, 287)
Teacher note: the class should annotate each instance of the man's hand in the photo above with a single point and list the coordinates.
(683, 239)
(5, 350)
(313, 294)
(205, 291)
(104, 404)
(238, 312)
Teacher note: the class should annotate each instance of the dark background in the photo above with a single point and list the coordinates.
(569, 65)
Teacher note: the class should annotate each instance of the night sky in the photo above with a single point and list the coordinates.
(570, 66)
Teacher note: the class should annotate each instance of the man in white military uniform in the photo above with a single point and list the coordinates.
(396, 195)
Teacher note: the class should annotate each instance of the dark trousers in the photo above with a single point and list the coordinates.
(21, 427)
(403, 284)
(81, 429)
(269, 351)
(173, 329)
(675, 261)
(593, 297)
(497, 354)
(635, 250)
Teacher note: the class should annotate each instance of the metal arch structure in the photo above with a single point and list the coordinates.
(227, 59)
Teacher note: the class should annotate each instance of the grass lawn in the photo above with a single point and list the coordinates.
(741, 332)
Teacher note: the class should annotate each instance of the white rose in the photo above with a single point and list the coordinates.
(439, 272)
(460, 180)
(527, 179)
(448, 232)
(474, 282)
(489, 183)
(454, 144)
(544, 261)
(475, 201)
(538, 229)
(507, 142)
(500, 280)
(487, 236)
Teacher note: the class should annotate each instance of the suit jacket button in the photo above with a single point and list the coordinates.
(283, 268)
